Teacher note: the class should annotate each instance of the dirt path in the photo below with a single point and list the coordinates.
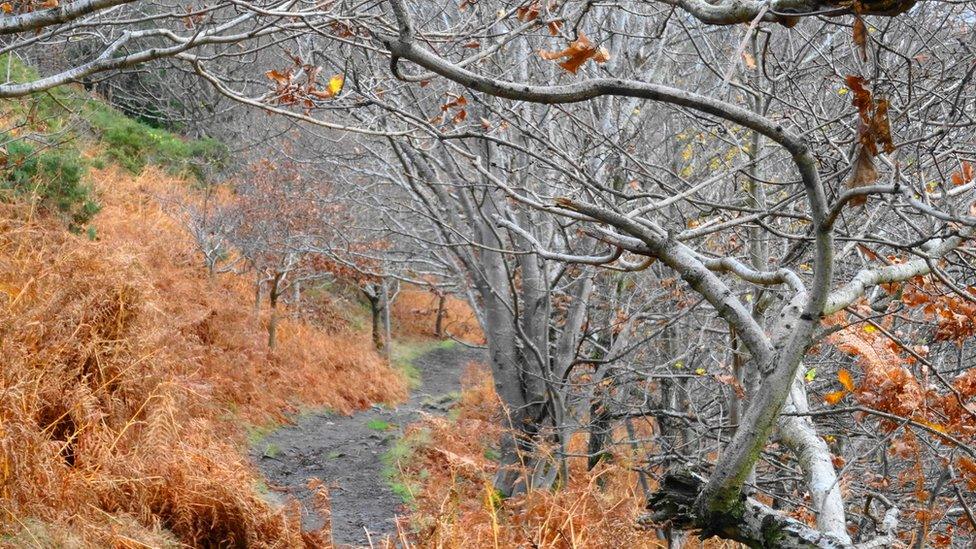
(346, 452)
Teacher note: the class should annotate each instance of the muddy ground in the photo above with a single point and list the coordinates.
(346, 452)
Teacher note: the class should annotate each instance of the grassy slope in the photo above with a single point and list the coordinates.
(128, 374)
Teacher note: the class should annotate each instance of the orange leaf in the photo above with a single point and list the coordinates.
(845, 379)
(967, 465)
(577, 53)
(6, 7)
(834, 397)
(279, 77)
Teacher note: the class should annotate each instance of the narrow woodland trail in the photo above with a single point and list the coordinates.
(346, 452)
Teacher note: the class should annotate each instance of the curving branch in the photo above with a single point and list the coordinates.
(61, 14)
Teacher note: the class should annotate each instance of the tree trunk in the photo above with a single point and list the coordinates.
(273, 324)
(375, 310)
(749, 522)
(273, 320)
(387, 323)
(600, 430)
(439, 322)
(257, 295)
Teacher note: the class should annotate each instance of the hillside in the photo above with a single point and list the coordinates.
(130, 377)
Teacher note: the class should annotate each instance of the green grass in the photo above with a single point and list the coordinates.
(257, 433)
(379, 425)
(397, 458)
(271, 450)
(406, 352)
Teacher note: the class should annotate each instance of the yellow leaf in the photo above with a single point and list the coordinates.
(934, 426)
(335, 84)
(834, 397)
(869, 329)
(845, 379)
(842, 91)
(700, 371)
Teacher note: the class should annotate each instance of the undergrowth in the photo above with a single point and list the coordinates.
(446, 467)
(128, 375)
(415, 316)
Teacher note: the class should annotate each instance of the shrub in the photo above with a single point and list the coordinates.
(54, 178)
(134, 145)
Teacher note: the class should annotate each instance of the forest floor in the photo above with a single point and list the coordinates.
(347, 452)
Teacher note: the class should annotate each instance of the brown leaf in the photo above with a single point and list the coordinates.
(881, 127)
(731, 381)
(862, 97)
(868, 252)
(528, 13)
(864, 174)
(554, 27)
(861, 37)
